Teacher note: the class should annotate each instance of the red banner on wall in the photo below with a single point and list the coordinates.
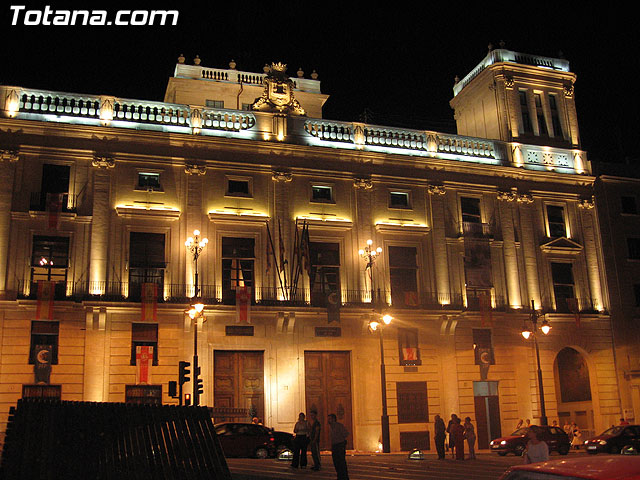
(243, 304)
(44, 304)
(54, 208)
(144, 360)
(149, 302)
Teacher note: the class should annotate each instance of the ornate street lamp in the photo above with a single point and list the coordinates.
(526, 333)
(370, 254)
(196, 313)
(195, 246)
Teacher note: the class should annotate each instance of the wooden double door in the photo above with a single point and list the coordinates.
(328, 390)
(239, 380)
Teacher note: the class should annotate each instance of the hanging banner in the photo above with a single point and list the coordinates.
(144, 360)
(54, 208)
(243, 304)
(333, 307)
(149, 300)
(572, 303)
(484, 301)
(42, 365)
(44, 304)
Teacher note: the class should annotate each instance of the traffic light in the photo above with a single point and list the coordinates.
(183, 376)
(199, 389)
(187, 399)
(173, 388)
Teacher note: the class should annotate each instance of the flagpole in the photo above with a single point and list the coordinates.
(273, 252)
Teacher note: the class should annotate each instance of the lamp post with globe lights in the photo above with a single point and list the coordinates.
(195, 246)
(527, 333)
(369, 255)
(196, 313)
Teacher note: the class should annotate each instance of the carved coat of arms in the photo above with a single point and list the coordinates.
(278, 93)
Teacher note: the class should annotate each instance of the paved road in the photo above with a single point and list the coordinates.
(381, 467)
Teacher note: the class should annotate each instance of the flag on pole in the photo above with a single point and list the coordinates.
(44, 304)
(243, 304)
(144, 360)
(269, 253)
(149, 302)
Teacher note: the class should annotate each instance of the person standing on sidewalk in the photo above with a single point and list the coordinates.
(439, 437)
(339, 436)
(314, 439)
(300, 442)
(470, 435)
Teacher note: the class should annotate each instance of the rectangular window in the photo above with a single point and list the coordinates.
(54, 189)
(413, 406)
(144, 335)
(556, 222)
(44, 333)
(214, 103)
(238, 257)
(399, 200)
(636, 292)
(470, 208)
(563, 286)
(146, 261)
(408, 346)
(482, 347)
(149, 181)
(324, 278)
(555, 117)
(49, 262)
(247, 106)
(628, 205)
(403, 272)
(322, 193)
(633, 244)
(238, 187)
(524, 110)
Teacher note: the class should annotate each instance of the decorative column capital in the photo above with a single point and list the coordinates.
(586, 203)
(103, 161)
(508, 82)
(10, 155)
(363, 183)
(568, 90)
(525, 198)
(194, 169)
(436, 189)
(508, 195)
(281, 176)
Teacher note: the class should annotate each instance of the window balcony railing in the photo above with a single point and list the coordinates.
(473, 229)
(45, 202)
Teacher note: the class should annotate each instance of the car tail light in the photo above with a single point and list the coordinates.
(271, 439)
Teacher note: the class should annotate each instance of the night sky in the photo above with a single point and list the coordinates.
(397, 62)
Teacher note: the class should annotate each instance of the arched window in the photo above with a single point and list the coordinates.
(573, 374)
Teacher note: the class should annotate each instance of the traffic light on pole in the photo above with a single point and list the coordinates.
(183, 375)
(199, 388)
(187, 399)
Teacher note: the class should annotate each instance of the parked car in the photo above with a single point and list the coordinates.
(614, 439)
(251, 440)
(555, 437)
(600, 468)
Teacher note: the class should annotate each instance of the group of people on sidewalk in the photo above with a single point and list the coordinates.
(307, 435)
(458, 433)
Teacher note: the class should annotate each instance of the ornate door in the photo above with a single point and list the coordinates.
(239, 380)
(328, 390)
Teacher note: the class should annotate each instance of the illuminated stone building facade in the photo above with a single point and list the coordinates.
(99, 195)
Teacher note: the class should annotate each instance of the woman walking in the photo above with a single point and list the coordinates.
(470, 435)
(300, 442)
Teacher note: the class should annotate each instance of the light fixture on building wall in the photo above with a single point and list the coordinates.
(528, 333)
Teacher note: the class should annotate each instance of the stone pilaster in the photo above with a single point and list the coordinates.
(7, 170)
(194, 221)
(363, 189)
(512, 277)
(100, 222)
(282, 218)
(440, 257)
(529, 248)
(591, 252)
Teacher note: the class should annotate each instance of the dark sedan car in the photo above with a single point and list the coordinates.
(251, 440)
(515, 443)
(614, 439)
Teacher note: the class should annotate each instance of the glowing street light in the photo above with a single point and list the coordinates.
(195, 246)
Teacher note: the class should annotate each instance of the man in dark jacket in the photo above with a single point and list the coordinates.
(439, 430)
(314, 439)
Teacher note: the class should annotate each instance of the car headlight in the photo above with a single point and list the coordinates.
(586, 442)
(602, 442)
(491, 442)
(503, 442)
